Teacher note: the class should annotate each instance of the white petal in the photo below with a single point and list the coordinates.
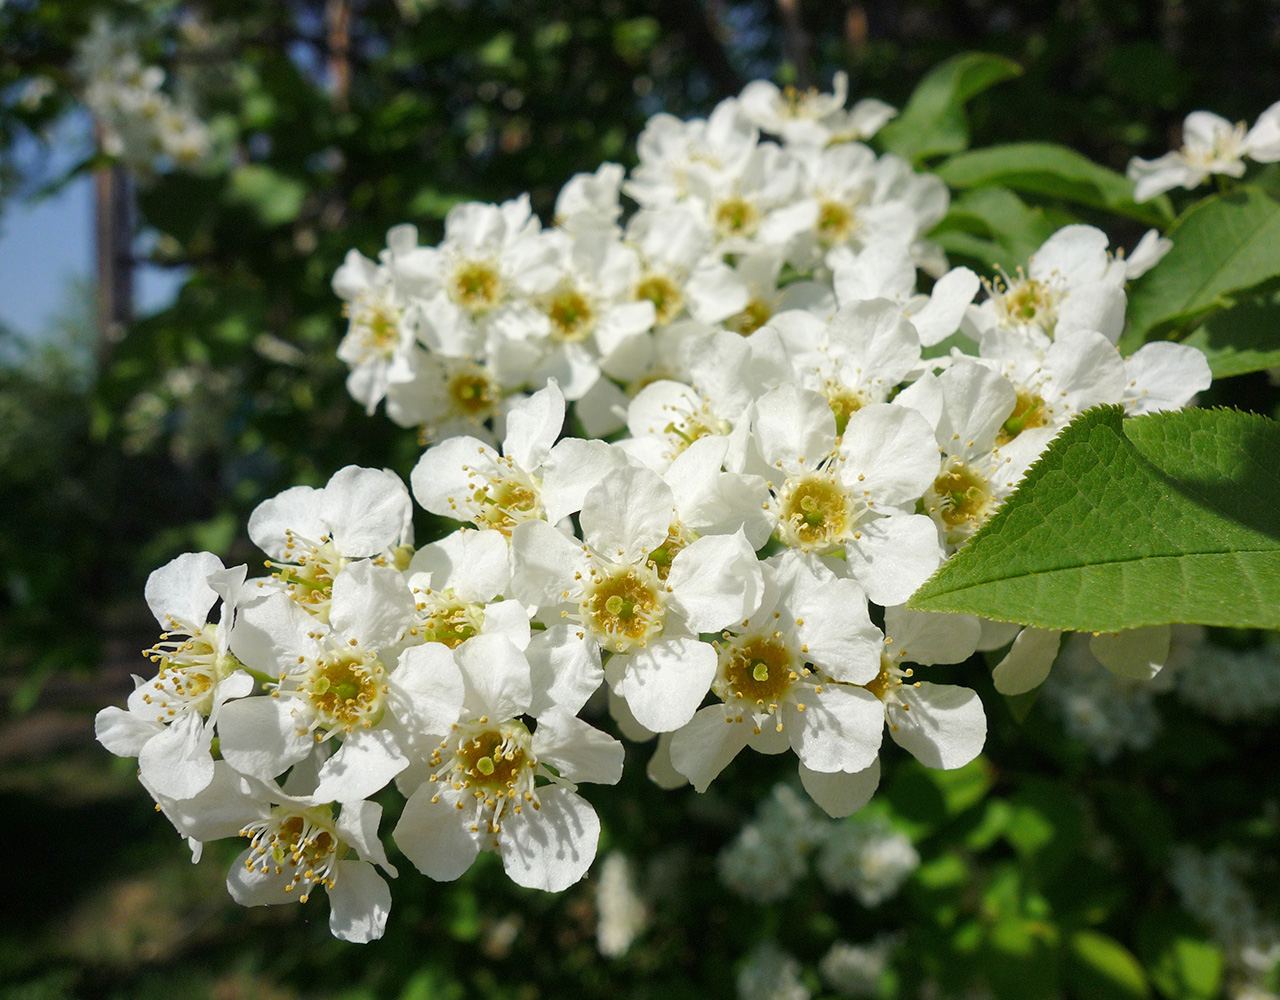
(296, 509)
(475, 565)
(358, 826)
(704, 747)
(259, 737)
(254, 887)
(434, 835)
(180, 589)
(627, 514)
(839, 729)
(565, 669)
(1164, 376)
(425, 691)
(660, 770)
(220, 810)
(122, 732)
(551, 847)
(366, 761)
(572, 469)
(496, 675)
(177, 761)
(950, 297)
(890, 454)
(840, 793)
(372, 604)
(894, 556)
(944, 727)
(665, 682)
(543, 563)
(1136, 653)
(793, 424)
(926, 638)
(365, 510)
(716, 580)
(578, 750)
(359, 903)
(270, 635)
(533, 426)
(1028, 661)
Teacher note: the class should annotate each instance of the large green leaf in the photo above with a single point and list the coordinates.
(1170, 517)
(934, 120)
(1242, 339)
(1046, 169)
(1222, 247)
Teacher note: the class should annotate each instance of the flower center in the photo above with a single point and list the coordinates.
(815, 514)
(758, 671)
(505, 501)
(447, 619)
(678, 537)
(189, 670)
(493, 763)
(375, 324)
(1029, 411)
(836, 223)
(756, 315)
(472, 392)
(624, 607)
(307, 571)
(844, 404)
(961, 499)
(736, 217)
(572, 317)
(345, 689)
(476, 286)
(304, 842)
(665, 295)
(1028, 301)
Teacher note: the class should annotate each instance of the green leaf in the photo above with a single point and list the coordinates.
(1101, 968)
(993, 227)
(1223, 246)
(934, 120)
(273, 197)
(1169, 517)
(1243, 339)
(1055, 171)
(1183, 964)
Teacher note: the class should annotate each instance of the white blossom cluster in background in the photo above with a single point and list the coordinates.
(866, 858)
(796, 445)
(1210, 145)
(1214, 886)
(139, 123)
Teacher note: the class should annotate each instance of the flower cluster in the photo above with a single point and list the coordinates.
(801, 435)
(138, 121)
(1210, 145)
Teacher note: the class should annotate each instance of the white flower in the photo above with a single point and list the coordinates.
(483, 792)
(622, 913)
(770, 854)
(855, 970)
(640, 591)
(332, 682)
(867, 858)
(1071, 284)
(380, 346)
(770, 974)
(534, 477)
(1210, 145)
(296, 845)
(811, 118)
(311, 534)
(775, 675)
(589, 202)
(854, 493)
(169, 723)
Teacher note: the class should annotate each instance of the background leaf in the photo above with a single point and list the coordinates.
(1047, 169)
(1222, 246)
(1170, 517)
(1243, 339)
(934, 120)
